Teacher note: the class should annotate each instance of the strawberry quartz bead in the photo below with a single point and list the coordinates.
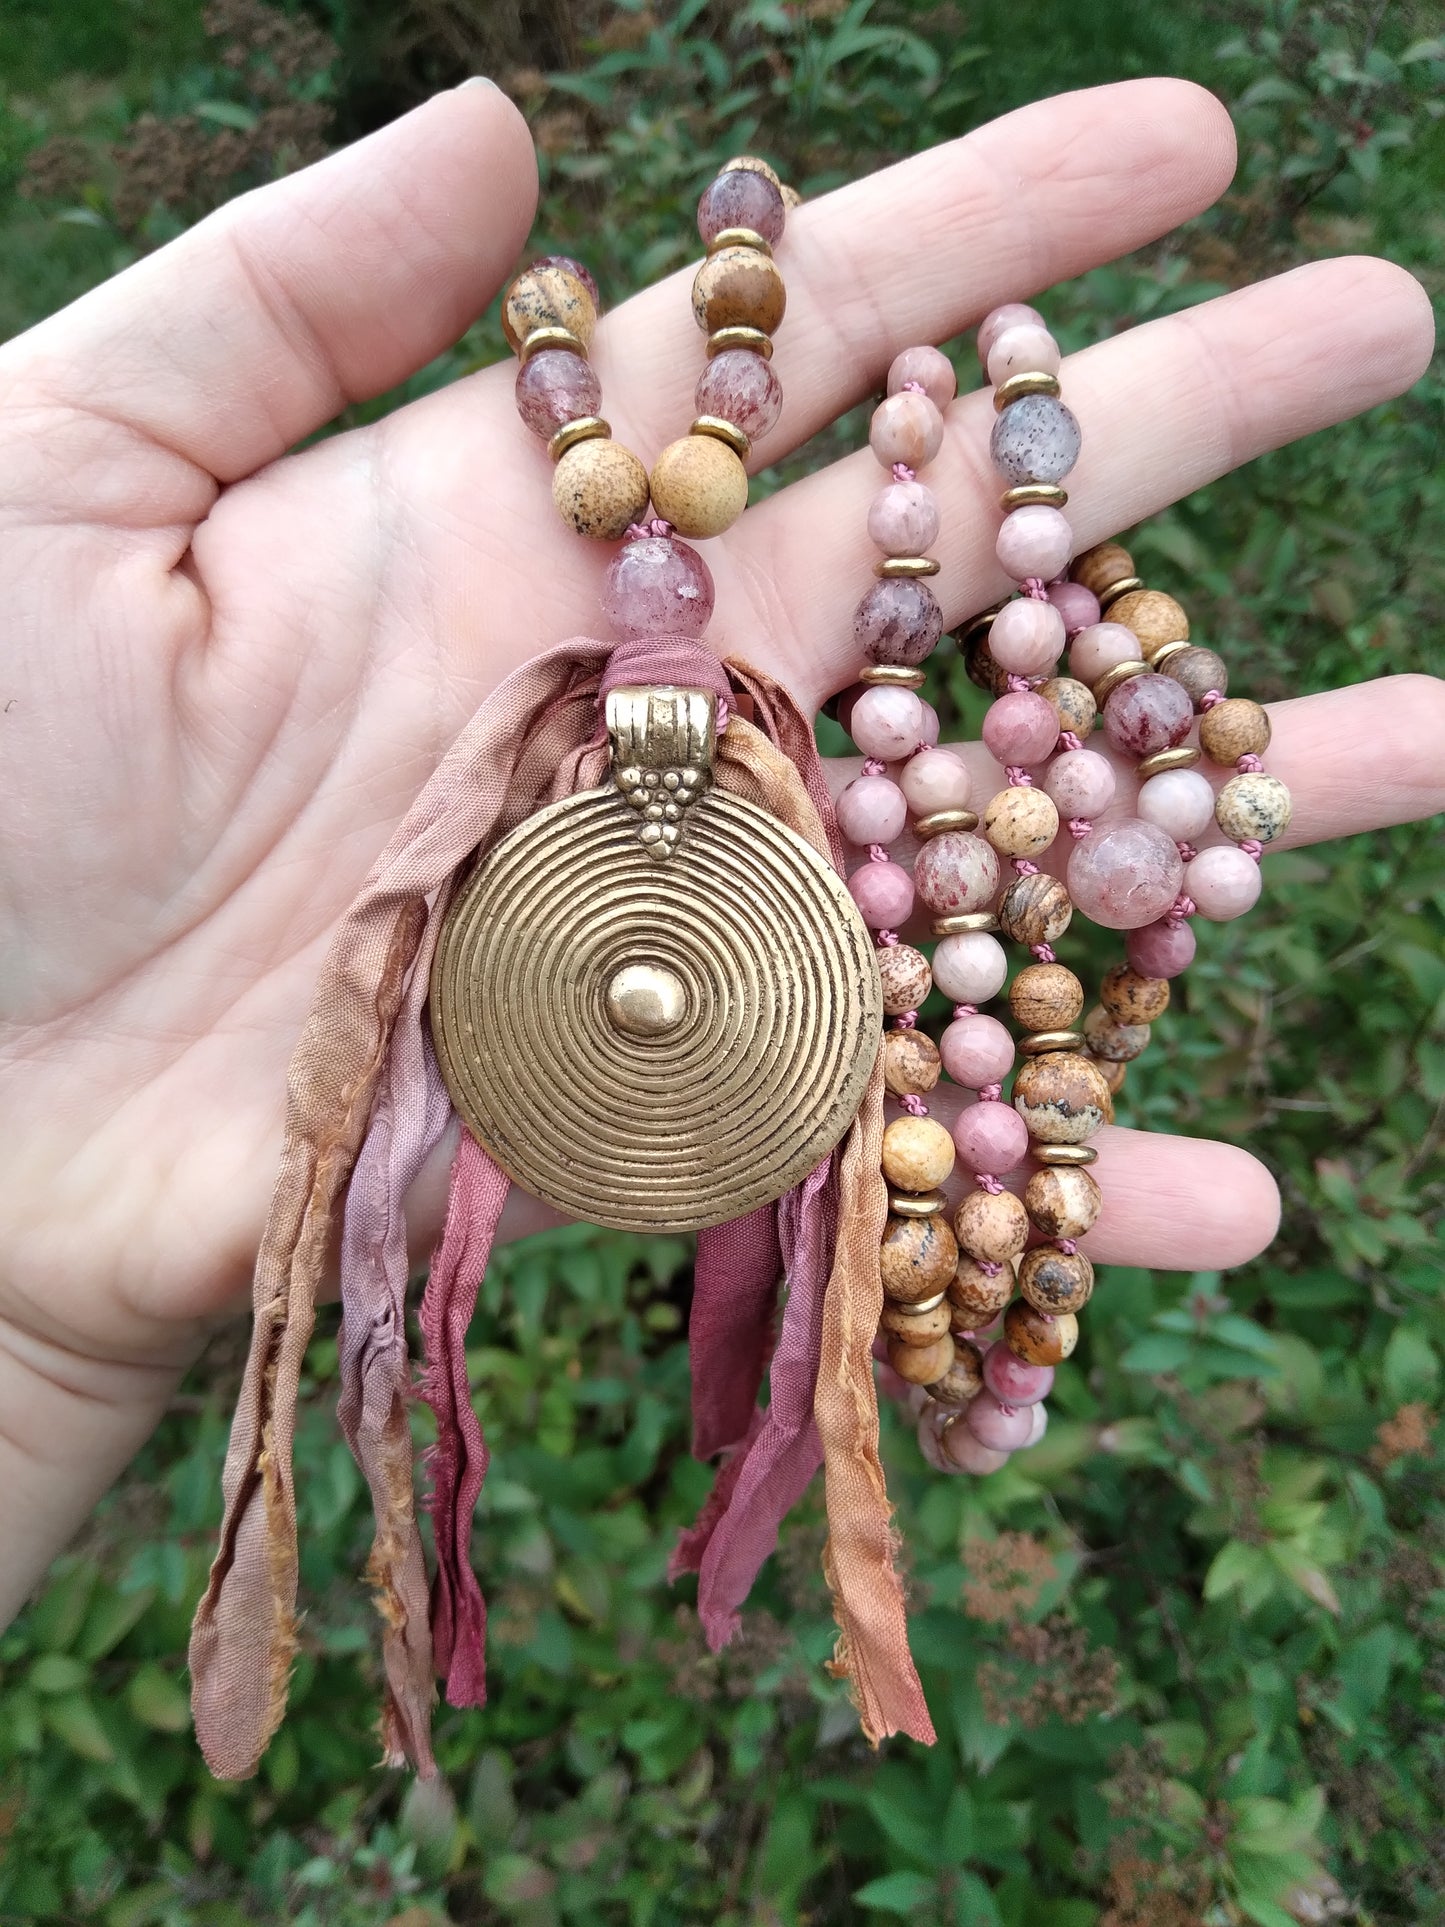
(1146, 714)
(1125, 875)
(1012, 1381)
(657, 586)
(555, 387)
(899, 622)
(741, 197)
(741, 388)
(956, 873)
(1164, 949)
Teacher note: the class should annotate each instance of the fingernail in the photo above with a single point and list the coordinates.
(478, 80)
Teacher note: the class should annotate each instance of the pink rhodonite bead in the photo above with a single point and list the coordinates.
(977, 1051)
(742, 388)
(1101, 647)
(1223, 882)
(956, 873)
(930, 368)
(1146, 714)
(992, 1139)
(1125, 875)
(935, 779)
(907, 428)
(1081, 782)
(1034, 541)
(1003, 1428)
(1077, 605)
(928, 733)
(1021, 727)
(1012, 1381)
(1161, 949)
(872, 810)
(1012, 314)
(741, 198)
(898, 621)
(883, 893)
(1026, 637)
(903, 518)
(554, 387)
(657, 586)
(886, 723)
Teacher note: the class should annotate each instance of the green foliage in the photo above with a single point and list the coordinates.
(1187, 1658)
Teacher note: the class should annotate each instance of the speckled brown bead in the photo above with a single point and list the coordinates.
(738, 288)
(1046, 997)
(917, 1258)
(1234, 728)
(977, 1296)
(911, 1063)
(1197, 671)
(991, 1225)
(916, 1327)
(964, 1378)
(1132, 998)
(1036, 1336)
(1254, 805)
(699, 485)
(1056, 1281)
(1061, 1097)
(1101, 567)
(548, 296)
(1115, 1042)
(982, 670)
(921, 1364)
(1035, 909)
(1021, 821)
(1154, 617)
(1073, 703)
(600, 489)
(1063, 1202)
(1114, 1072)
(907, 977)
(918, 1154)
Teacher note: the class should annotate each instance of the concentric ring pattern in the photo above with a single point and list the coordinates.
(721, 1113)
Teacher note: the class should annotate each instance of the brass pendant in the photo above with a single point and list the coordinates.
(654, 1004)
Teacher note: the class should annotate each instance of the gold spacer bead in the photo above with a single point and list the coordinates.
(1027, 494)
(916, 1311)
(1126, 585)
(791, 197)
(1112, 679)
(740, 237)
(754, 339)
(1039, 1041)
(541, 338)
(722, 430)
(967, 921)
(750, 164)
(906, 565)
(917, 1204)
(1064, 1153)
(1182, 758)
(586, 428)
(1030, 382)
(890, 675)
(1158, 657)
(940, 820)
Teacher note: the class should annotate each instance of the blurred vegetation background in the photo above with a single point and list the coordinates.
(1187, 1658)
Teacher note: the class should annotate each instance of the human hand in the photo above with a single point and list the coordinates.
(229, 670)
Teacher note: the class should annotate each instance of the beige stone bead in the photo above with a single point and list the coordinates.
(1063, 1201)
(921, 1364)
(907, 977)
(1046, 997)
(1109, 1039)
(916, 1327)
(1056, 1281)
(963, 1380)
(991, 1225)
(977, 1296)
(1133, 998)
(1253, 805)
(1061, 1097)
(738, 288)
(600, 489)
(1073, 703)
(1102, 566)
(1114, 1072)
(918, 1258)
(1036, 1336)
(1154, 617)
(1035, 909)
(1197, 671)
(1021, 821)
(911, 1063)
(1234, 728)
(918, 1154)
(699, 485)
(548, 297)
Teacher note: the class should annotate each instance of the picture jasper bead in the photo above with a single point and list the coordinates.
(918, 1257)
(1154, 617)
(1108, 1038)
(907, 978)
(1061, 1097)
(1132, 998)
(921, 1364)
(600, 489)
(1234, 728)
(699, 485)
(1072, 701)
(1021, 821)
(911, 1063)
(1035, 909)
(548, 295)
(978, 1296)
(1099, 568)
(1056, 1281)
(1063, 1202)
(993, 1226)
(738, 288)
(1255, 806)
(1197, 671)
(1037, 1337)
(918, 1155)
(964, 1378)
(917, 1327)
(1046, 997)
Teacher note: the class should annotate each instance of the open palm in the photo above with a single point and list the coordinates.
(228, 670)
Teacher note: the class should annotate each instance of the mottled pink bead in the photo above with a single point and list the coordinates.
(969, 1453)
(992, 1139)
(1012, 1381)
(1077, 605)
(1146, 714)
(872, 810)
(1026, 348)
(742, 388)
(884, 723)
(1180, 801)
(1081, 782)
(1003, 1428)
(554, 387)
(930, 368)
(1039, 1416)
(935, 779)
(741, 198)
(1012, 314)
(1034, 541)
(906, 427)
(986, 1335)
(1223, 882)
(1125, 875)
(1026, 637)
(1020, 727)
(903, 518)
(898, 621)
(977, 1051)
(1161, 949)
(956, 873)
(657, 586)
(930, 726)
(971, 967)
(883, 893)
(1100, 648)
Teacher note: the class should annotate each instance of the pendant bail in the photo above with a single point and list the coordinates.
(662, 741)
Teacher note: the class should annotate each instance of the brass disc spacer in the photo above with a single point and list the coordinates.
(1116, 677)
(937, 821)
(541, 338)
(753, 339)
(963, 924)
(1064, 1153)
(1027, 382)
(908, 566)
(890, 675)
(1034, 494)
(586, 428)
(1182, 758)
(1158, 657)
(722, 430)
(1040, 1041)
(919, 1310)
(1126, 585)
(916, 1204)
(740, 237)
